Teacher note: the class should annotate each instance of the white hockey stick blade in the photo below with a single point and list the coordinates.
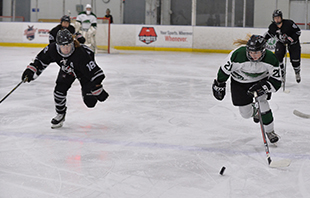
(300, 114)
(281, 163)
(286, 91)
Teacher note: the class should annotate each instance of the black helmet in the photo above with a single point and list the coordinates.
(256, 43)
(65, 18)
(64, 37)
(277, 13)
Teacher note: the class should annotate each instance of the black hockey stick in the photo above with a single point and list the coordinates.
(273, 164)
(7, 95)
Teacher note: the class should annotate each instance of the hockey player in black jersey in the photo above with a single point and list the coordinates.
(287, 33)
(75, 62)
(65, 24)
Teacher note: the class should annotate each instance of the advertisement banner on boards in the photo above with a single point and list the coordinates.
(164, 36)
(37, 32)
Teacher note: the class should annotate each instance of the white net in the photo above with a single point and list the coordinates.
(103, 35)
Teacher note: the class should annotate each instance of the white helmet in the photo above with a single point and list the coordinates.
(88, 6)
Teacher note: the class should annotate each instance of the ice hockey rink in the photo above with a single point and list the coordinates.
(160, 134)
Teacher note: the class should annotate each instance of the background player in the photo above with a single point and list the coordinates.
(64, 23)
(86, 23)
(251, 68)
(287, 33)
(74, 62)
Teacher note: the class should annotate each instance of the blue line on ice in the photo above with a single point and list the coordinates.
(146, 144)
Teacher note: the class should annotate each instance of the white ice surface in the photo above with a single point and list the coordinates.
(160, 134)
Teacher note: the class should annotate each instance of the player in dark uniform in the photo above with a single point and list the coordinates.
(75, 62)
(65, 23)
(287, 33)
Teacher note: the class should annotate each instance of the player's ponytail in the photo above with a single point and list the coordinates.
(76, 42)
(239, 42)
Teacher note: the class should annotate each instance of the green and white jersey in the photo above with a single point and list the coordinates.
(87, 20)
(241, 69)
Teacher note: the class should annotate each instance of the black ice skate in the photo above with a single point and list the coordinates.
(272, 136)
(58, 121)
(298, 78)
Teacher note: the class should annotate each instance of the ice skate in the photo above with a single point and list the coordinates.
(298, 78)
(58, 121)
(272, 136)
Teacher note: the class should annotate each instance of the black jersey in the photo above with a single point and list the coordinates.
(79, 64)
(110, 17)
(53, 33)
(288, 28)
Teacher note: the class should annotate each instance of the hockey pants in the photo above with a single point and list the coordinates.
(63, 84)
(241, 98)
(294, 51)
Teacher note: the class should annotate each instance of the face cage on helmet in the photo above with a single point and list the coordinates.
(260, 58)
(65, 55)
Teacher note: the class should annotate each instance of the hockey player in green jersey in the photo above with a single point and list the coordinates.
(252, 68)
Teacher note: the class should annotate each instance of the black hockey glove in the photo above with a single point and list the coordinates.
(287, 39)
(260, 88)
(100, 93)
(219, 89)
(79, 37)
(29, 73)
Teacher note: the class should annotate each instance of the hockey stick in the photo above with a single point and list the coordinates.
(14, 89)
(300, 114)
(273, 164)
(305, 43)
(284, 72)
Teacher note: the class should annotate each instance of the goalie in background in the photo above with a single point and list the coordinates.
(86, 24)
(252, 68)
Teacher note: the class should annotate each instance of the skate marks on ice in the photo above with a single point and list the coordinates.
(173, 145)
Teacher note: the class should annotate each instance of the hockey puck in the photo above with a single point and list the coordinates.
(222, 170)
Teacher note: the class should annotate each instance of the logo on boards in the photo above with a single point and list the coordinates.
(147, 35)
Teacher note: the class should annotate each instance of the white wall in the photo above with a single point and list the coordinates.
(54, 9)
(210, 38)
(263, 10)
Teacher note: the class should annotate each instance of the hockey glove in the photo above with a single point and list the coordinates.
(100, 93)
(287, 39)
(79, 37)
(260, 88)
(29, 73)
(219, 89)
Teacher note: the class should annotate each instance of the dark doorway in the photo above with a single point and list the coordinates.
(23, 9)
(134, 12)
